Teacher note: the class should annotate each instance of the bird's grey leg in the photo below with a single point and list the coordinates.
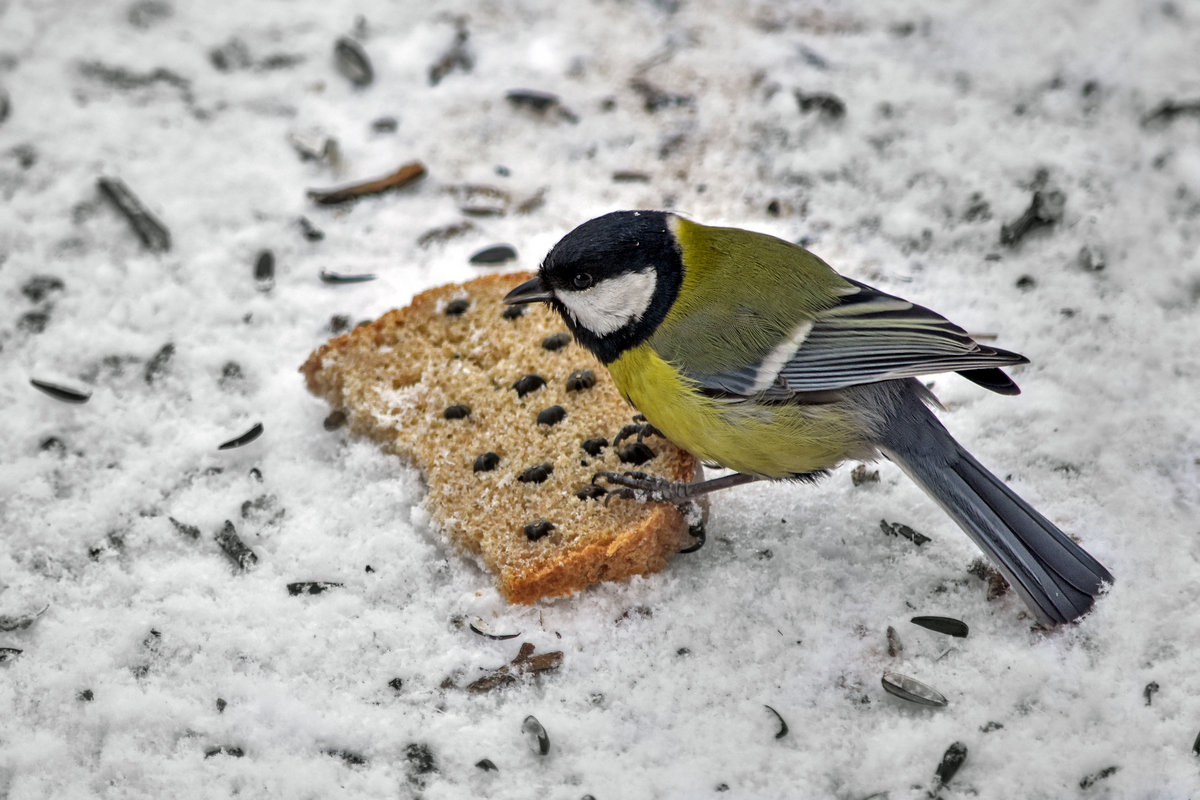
(651, 488)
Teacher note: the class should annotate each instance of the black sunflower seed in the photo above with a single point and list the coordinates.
(537, 473)
(486, 765)
(335, 420)
(594, 446)
(556, 341)
(457, 307)
(246, 438)
(531, 98)
(8, 654)
(496, 254)
(591, 491)
(537, 529)
(635, 453)
(311, 587)
(946, 625)
(486, 462)
(512, 312)
(528, 383)
(329, 276)
(457, 411)
(700, 534)
(551, 416)
(63, 393)
(539, 740)
(581, 379)
(352, 62)
(264, 270)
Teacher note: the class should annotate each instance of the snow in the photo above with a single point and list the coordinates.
(951, 111)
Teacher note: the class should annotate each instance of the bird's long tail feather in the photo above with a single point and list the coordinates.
(1054, 575)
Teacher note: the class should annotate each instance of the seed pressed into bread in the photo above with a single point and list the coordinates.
(508, 419)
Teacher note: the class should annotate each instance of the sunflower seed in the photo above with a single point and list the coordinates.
(591, 491)
(528, 383)
(456, 308)
(594, 446)
(912, 690)
(335, 420)
(512, 312)
(552, 415)
(486, 462)
(556, 341)
(538, 529)
(496, 254)
(264, 271)
(311, 587)
(486, 765)
(537, 473)
(246, 438)
(8, 654)
(352, 62)
(539, 740)
(478, 625)
(457, 411)
(581, 379)
(635, 453)
(329, 276)
(946, 625)
(783, 726)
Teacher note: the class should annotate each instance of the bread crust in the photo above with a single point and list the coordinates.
(395, 377)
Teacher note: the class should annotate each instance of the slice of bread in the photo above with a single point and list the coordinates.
(445, 382)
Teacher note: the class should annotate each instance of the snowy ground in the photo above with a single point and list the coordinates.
(157, 670)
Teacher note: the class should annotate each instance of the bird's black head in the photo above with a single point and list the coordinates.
(612, 280)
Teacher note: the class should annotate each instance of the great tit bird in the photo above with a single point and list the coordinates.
(754, 355)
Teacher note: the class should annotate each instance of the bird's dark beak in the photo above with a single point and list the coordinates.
(530, 291)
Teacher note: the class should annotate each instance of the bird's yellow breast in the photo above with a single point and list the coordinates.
(770, 439)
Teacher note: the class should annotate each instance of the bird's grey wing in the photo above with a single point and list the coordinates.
(867, 337)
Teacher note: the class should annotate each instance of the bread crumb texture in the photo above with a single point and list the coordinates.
(434, 384)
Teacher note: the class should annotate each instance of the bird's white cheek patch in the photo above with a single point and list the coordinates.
(612, 303)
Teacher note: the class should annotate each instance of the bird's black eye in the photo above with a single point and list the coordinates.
(582, 280)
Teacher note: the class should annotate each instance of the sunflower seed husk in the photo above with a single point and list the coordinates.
(912, 690)
(246, 438)
(539, 740)
(352, 62)
(946, 625)
(480, 626)
(63, 393)
(783, 726)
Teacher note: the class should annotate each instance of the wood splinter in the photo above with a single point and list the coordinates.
(405, 175)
